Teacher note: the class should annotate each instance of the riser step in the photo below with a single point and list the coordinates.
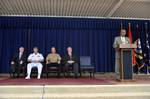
(75, 89)
(139, 91)
(78, 96)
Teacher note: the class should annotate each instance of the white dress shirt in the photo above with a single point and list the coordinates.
(36, 57)
(123, 39)
(20, 55)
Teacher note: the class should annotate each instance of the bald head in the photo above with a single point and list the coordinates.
(53, 50)
(69, 49)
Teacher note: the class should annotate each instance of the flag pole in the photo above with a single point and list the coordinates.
(137, 27)
(147, 71)
(121, 26)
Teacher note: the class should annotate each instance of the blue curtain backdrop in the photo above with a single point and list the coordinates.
(92, 37)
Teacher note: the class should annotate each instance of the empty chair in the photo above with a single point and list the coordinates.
(86, 65)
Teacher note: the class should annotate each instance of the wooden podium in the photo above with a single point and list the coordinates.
(126, 70)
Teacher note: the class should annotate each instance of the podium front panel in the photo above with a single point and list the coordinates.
(126, 64)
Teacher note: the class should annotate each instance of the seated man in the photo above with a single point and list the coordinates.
(53, 59)
(71, 60)
(35, 60)
(18, 62)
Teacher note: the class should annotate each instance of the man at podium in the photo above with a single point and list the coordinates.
(122, 39)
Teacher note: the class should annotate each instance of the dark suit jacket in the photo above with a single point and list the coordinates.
(16, 58)
(67, 58)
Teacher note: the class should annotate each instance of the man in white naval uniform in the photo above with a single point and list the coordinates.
(35, 60)
(119, 40)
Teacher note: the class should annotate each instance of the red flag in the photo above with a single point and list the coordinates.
(130, 38)
(130, 33)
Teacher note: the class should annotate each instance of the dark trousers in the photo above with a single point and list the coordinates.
(16, 69)
(53, 67)
(74, 66)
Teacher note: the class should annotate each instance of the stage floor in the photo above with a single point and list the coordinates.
(100, 79)
(103, 86)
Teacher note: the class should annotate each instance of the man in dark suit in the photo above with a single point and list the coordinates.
(71, 60)
(18, 62)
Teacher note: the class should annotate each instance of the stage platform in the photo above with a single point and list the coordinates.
(103, 86)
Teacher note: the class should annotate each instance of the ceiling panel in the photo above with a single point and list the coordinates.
(133, 9)
(77, 8)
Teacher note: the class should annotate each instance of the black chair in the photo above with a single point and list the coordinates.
(86, 65)
(34, 71)
(70, 69)
(53, 68)
(20, 68)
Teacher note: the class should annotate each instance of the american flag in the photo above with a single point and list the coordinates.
(138, 51)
